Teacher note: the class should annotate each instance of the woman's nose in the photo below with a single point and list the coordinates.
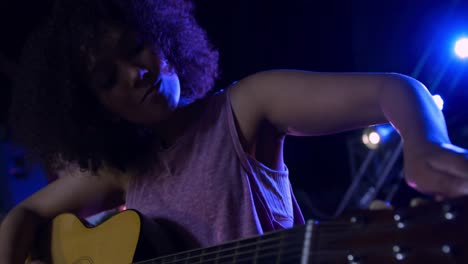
(142, 73)
(145, 77)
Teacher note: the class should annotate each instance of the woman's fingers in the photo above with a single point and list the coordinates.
(453, 163)
(441, 183)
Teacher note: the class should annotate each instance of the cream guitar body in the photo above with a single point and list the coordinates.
(124, 238)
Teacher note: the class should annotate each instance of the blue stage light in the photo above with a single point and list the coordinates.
(461, 48)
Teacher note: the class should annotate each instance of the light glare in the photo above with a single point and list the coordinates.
(461, 48)
(439, 101)
(374, 138)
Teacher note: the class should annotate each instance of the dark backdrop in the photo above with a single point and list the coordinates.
(333, 35)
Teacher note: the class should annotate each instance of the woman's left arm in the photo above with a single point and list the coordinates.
(307, 103)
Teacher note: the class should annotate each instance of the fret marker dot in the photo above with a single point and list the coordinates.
(397, 217)
(396, 249)
(399, 256)
(401, 225)
(449, 216)
(446, 249)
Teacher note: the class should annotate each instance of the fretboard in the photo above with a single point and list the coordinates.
(285, 246)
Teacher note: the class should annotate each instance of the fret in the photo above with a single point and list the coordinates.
(307, 242)
(247, 250)
(236, 250)
(266, 251)
(280, 251)
(190, 257)
(292, 252)
(204, 252)
(211, 255)
(225, 254)
(292, 246)
(256, 251)
(179, 258)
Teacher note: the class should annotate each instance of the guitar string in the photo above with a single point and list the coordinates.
(299, 230)
(383, 227)
(376, 251)
(317, 232)
(241, 258)
(346, 224)
(322, 252)
(298, 233)
(217, 258)
(342, 255)
(334, 254)
(327, 227)
(324, 239)
(215, 254)
(212, 254)
(317, 256)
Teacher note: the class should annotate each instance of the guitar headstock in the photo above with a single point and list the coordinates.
(430, 233)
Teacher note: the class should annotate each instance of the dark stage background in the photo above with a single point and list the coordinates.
(354, 35)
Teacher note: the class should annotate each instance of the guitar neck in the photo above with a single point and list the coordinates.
(433, 233)
(285, 246)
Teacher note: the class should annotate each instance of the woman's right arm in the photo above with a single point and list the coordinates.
(70, 193)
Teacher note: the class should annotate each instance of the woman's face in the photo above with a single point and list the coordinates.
(132, 79)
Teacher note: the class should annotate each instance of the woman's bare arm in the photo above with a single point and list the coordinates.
(70, 193)
(305, 103)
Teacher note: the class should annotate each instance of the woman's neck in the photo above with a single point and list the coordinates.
(175, 126)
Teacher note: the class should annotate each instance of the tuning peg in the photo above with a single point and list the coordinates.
(415, 202)
(380, 205)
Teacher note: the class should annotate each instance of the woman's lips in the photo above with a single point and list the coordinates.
(153, 88)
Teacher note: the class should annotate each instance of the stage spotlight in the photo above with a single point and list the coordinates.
(374, 136)
(461, 48)
(439, 101)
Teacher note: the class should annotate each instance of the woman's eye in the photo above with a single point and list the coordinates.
(135, 48)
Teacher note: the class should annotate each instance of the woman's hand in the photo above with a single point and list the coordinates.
(437, 169)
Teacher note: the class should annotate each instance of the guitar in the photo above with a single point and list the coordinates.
(432, 233)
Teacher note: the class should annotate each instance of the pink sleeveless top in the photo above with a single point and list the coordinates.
(209, 188)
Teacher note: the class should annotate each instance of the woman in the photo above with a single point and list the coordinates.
(116, 103)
